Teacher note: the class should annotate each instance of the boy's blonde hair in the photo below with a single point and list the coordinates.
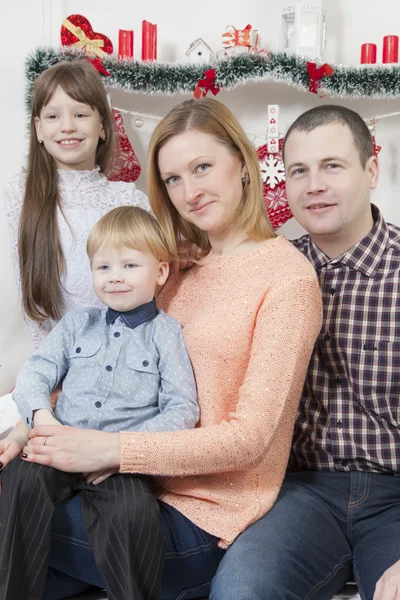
(128, 226)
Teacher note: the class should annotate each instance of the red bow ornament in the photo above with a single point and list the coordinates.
(316, 75)
(77, 31)
(207, 85)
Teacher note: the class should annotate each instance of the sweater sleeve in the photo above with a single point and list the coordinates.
(287, 324)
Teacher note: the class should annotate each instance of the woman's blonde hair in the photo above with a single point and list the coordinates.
(41, 258)
(128, 226)
(214, 118)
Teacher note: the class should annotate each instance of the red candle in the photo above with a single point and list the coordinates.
(125, 43)
(368, 54)
(390, 53)
(149, 41)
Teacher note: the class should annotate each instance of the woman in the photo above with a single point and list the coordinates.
(250, 311)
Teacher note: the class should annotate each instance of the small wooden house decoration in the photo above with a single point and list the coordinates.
(199, 52)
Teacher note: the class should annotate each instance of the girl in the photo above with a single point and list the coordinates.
(250, 311)
(52, 207)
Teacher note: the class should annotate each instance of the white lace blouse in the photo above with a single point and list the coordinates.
(85, 197)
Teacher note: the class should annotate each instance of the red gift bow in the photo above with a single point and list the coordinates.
(317, 74)
(98, 64)
(207, 85)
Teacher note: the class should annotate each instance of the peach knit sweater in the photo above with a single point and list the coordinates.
(250, 321)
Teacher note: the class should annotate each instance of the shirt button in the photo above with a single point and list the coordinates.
(327, 337)
(78, 350)
(332, 291)
(145, 363)
(344, 463)
(339, 424)
(97, 404)
(117, 334)
(108, 368)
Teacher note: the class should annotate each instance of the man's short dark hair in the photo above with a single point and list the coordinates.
(331, 113)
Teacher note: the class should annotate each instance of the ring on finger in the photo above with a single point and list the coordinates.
(44, 441)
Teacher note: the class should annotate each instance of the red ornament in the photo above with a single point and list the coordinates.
(317, 74)
(77, 31)
(207, 84)
(124, 164)
(274, 186)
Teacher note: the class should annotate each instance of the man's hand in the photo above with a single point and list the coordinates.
(388, 586)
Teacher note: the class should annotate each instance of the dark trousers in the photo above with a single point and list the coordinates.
(120, 517)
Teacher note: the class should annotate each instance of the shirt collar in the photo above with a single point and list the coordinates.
(364, 256)
(135, 317)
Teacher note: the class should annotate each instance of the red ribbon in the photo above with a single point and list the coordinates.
(207, 85)
(376, 148)
(98, 64)
(317, 74)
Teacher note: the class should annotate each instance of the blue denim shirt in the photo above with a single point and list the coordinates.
(118, 373)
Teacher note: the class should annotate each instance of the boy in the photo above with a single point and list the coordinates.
(121, 368)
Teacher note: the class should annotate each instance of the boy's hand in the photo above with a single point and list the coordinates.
(44, 417)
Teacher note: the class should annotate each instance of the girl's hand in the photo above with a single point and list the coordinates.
(9, 449)
(73, 450)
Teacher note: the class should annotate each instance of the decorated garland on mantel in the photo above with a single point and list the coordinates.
(169, 79)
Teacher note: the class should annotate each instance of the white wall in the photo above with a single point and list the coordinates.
(31, 23)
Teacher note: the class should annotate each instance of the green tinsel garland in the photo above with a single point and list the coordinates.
(170, 79)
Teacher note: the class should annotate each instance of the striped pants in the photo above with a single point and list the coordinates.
(121, 519)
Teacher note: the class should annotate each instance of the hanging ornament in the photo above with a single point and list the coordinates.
(273, 176)
(124, 164)
(371, 128)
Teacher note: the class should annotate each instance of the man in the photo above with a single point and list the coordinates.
(338, 513)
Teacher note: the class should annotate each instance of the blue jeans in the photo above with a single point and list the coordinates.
(323, 528)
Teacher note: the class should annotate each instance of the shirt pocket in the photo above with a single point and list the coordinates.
(143, 377)
(375, 376)
(85, 361)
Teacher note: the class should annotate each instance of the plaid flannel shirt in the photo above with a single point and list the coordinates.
(349, 413)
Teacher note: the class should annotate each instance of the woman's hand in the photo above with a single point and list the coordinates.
(193, 251)
(73, 450)
(13, 444)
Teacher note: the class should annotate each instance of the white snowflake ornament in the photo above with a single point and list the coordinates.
(272, 170)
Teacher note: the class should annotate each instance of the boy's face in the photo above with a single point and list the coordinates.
(328, 189)
(125, 278)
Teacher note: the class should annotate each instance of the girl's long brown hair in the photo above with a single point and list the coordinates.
(41, 258)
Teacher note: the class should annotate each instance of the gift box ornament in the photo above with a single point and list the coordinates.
(240, 37)
(77, 31)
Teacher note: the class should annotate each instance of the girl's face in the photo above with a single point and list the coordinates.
(203, 179)
(70, 131)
